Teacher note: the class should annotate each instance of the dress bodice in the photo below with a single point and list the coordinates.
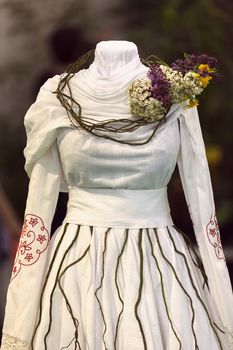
(102, 91)
(91, 162)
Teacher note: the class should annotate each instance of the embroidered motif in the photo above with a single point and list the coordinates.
(29, 257)
(33, 242)
(41, 239)
(33, 221)
(213, 235)
(13, 343)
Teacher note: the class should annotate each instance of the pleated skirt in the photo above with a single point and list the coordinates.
(109, 288)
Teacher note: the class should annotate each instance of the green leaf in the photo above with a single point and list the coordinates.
(186, 55)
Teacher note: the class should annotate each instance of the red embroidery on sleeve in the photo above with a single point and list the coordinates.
(213, 235)
(33, 242)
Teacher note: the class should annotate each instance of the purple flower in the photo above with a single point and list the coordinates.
(160, 89)
(205, 59)
(182, 66)
(191, 62)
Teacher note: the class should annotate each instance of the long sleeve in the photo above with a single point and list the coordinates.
(196, 181)
(32, 254)
(43, 165)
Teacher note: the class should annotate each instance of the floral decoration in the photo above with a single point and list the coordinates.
(33, 242)
(152, 96)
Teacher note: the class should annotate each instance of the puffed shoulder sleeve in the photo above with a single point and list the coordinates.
(196, 181)
(43, 121)
(44, 168)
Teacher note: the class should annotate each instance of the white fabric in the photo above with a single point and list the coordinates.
(108, 60)
(60, 156)
(196, 181)
(141, 208)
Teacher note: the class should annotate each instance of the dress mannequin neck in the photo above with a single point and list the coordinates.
(113, 54)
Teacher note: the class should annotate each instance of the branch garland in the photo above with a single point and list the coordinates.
(150, 98)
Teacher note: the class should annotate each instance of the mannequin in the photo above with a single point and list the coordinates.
(112, 55)
(117, 274)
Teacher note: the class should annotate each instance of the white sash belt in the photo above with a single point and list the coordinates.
(118, 207)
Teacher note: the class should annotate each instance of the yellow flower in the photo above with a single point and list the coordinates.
(193, 103)
(205, 80)
(204, 67)
(196, 75)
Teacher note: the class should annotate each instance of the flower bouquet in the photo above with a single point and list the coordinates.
(152, 96)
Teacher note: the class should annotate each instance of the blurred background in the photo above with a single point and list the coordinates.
(39, 38)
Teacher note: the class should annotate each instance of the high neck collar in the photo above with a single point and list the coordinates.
(111, 56)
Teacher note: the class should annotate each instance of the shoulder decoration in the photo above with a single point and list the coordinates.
(152, 96)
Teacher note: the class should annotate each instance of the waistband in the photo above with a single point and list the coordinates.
(118, 207)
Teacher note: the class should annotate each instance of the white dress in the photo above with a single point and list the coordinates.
(117, 274)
